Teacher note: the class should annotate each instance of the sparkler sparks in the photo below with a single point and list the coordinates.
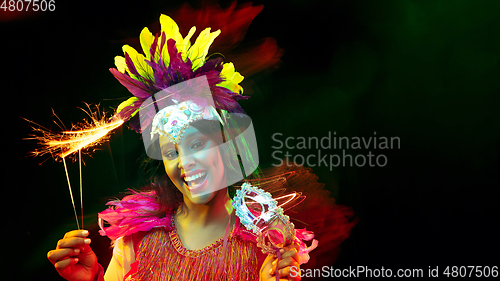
(82, 136)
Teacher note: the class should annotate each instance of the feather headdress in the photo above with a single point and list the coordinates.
(170, 59)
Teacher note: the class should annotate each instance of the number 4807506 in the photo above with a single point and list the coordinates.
(28, 5)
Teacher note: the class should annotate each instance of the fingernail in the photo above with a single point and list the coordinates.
(282, 251)
(77, 251)
(85, 232)
(86, 241)
(274, 262)
(270, 271)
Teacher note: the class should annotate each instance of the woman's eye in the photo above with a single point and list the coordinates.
(170, 154)
(198, 145)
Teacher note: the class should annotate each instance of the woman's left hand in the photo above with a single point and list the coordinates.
(288, 265)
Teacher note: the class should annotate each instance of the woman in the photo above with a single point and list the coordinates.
(185, 228)
(199, 222)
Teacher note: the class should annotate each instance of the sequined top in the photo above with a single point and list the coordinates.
(147, 247)
(162, 256)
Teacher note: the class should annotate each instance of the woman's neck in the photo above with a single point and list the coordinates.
(200, 225)
(215, 212)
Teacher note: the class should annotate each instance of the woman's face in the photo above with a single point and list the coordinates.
(194, 165)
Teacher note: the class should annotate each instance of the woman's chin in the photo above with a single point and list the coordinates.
(201, 199)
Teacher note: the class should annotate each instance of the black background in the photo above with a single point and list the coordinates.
(427, 72)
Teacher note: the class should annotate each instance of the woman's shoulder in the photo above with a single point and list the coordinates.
(135, 213)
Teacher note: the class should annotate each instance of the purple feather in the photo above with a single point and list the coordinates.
(179, 69)
(137, 88)
(152, 48)
(158, 75)
(213, 64)
(163, 38)
(130, 65)
(135, 124)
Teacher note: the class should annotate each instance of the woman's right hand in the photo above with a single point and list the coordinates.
(288, 266)
(73, 258)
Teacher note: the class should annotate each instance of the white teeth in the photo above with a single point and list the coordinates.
(193, 177)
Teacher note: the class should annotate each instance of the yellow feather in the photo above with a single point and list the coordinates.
(232, 78)
(126, 103)
(146, 39)
(199, 50)
(139, 62)
(169, 26)
(120, 64)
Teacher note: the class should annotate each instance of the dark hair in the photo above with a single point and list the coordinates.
(167, 195)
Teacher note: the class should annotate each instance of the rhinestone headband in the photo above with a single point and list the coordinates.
(171, 121)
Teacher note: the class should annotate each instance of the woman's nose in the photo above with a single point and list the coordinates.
(186, 162)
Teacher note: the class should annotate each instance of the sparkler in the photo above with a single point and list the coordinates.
(83, 136)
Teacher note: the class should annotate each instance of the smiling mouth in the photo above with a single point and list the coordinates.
(196, 180)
